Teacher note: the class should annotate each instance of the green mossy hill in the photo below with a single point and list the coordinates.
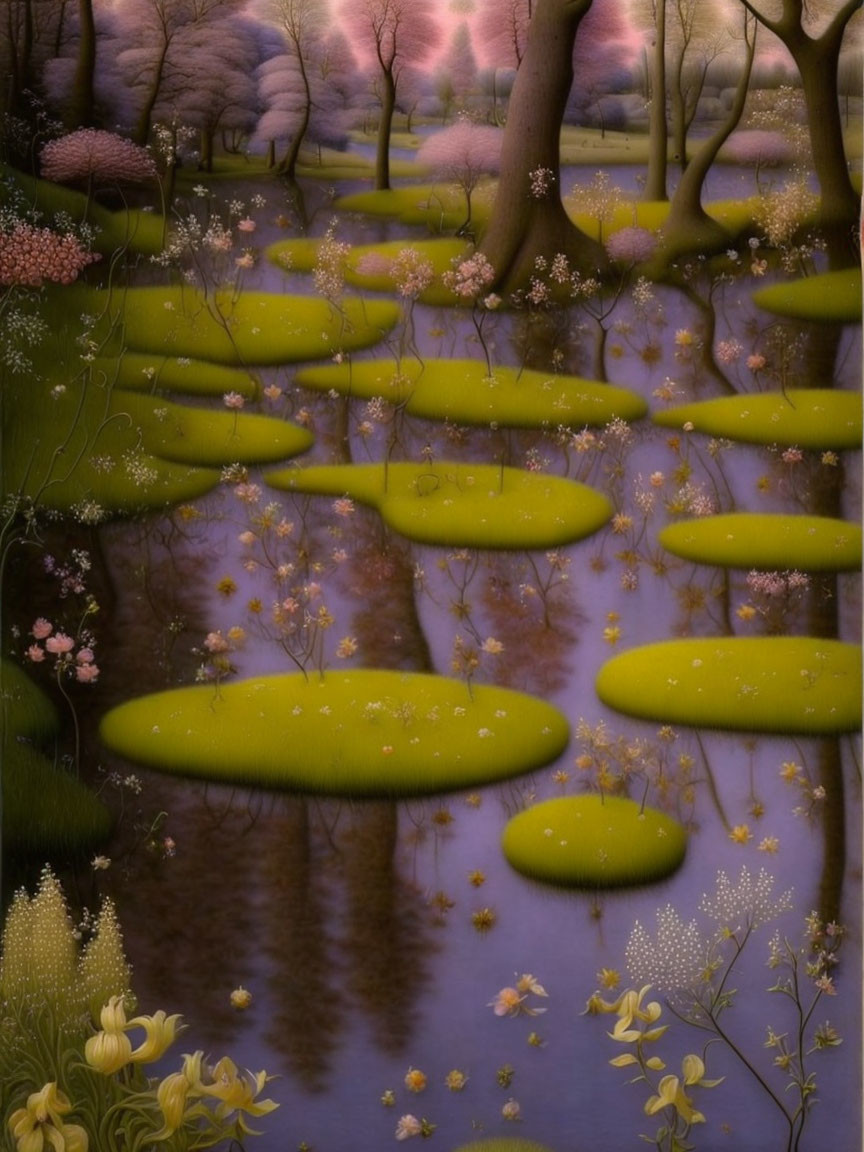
(356, 733)
(503, 1144)
(594, 841)
(133, 229)
(462, 505)
(45, 809)
(464, 392)
(138, 372)
(780, 684)
(25, 710)
(68, 441)
(367, 265)
(441, 207)
(734, 215)
(812, 418)
(830, 296)
(208, 438)
(767, 541)
(255, 329)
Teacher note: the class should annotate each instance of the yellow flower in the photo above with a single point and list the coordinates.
(741, 834)
(527, 983)
(236, 1093)
(609, 977)
(40, 1120)
(160, 1032)
(415, 1080)
(456, 1080)
(629, 1009)
(769, 844)
(670, 1091)
(171, 1097)
(745, 612)
(612, 634)
(789, 770)
(241, 998)
(477, 878)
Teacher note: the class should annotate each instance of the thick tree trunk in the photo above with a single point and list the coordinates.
(80, 108)
(524, 226)
(658, 131)
(385, 125)
(688, 226)
(839, 208)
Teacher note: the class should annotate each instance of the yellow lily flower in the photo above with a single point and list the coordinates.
(670, 1091)
(236, 1093)
(160, 1033)
(40, 1121)
(111, 1049)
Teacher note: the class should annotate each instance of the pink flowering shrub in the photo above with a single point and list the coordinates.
(31, 257)
(758, 146)
(92, 153)
(73, 656)
(631, 245)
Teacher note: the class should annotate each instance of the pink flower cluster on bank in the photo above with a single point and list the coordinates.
(31, 257)
(61, 646)
(91, 152)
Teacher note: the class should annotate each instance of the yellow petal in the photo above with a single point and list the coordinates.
(655, 1033)
(160, 1032)
(108, 1052)
(655, 1064)
(623, 1060)
(693, 1068)
(76, 1138)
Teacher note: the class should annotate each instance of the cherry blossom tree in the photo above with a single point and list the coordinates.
(91, 155)
(211, 86)
(457, 75)
(528, 219)
(395, 33)
(462, 154)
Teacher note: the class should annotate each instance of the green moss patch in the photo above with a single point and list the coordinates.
(256, 328)
(751, 540)
(210, 438)
(441, 207)
(367, 264)
(138, 372)
(781, 684)
(462, 505)
(594, 842)
(814, 418)
(45, 809)
(357, 733)
(734, 215)
(830, 296)
(462, 391)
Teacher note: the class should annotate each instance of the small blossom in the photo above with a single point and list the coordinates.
(41, 628)
(233, 400)
(741, 834)
(240, 998)
(456, 1080)
(511, 1110)
(100, 863)
(407, 1127)
(415, 1080)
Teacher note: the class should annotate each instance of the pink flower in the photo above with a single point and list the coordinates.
(246, 225)
(215, 642)
(35, 653)
(343, 506)
(84, 656)
(233, 400)
(41, 628)
(59, 643)
(87, 673)
(247, 260)
(756, 362)
(792, 456)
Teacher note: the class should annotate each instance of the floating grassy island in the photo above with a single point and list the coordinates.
(782, 684)
(767, 541)
(461, 505)
(359, 733)
(464, 392)
(815, 418)
(594, 841)
(830, 296)
(250, 329)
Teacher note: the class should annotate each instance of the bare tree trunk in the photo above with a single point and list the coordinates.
(385, 125)
(658, 131)
(80, 108)
(524, 226)
(142, 128)
(688, 226)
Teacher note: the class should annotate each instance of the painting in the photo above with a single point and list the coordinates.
(430, 563)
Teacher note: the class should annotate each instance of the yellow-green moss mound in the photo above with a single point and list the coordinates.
(814, 418)
(368, 265)
(830, 296)
(255, 328)
(356, 733)
(594, 842)
(138, 372)
(455, 505)
(463, 391)
(783, 684)
(767, 541)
